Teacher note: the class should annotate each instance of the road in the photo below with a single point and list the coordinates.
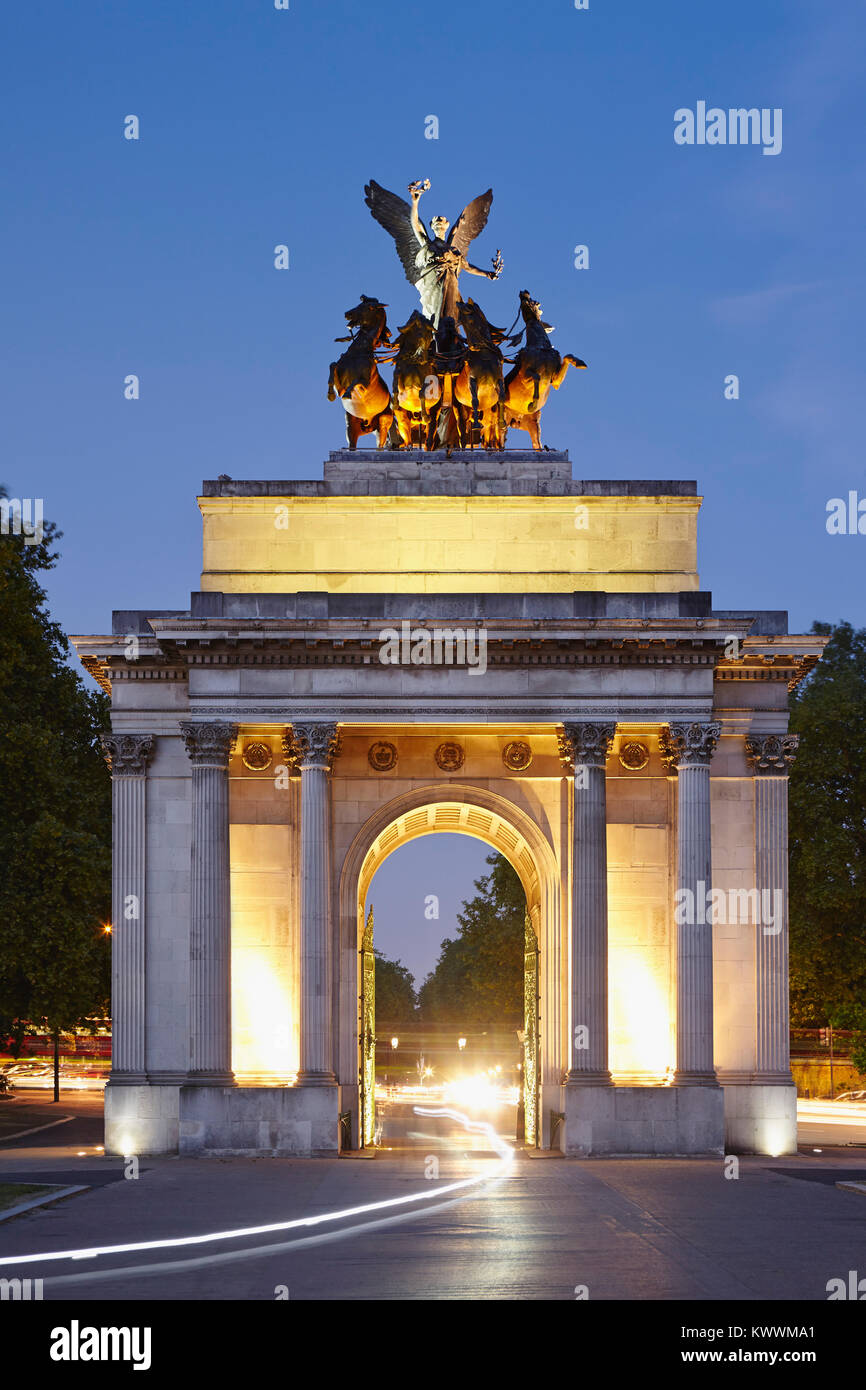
(535, 1228)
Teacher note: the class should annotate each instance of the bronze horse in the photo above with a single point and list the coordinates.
(417, 390)
(355, 377)
(537, 367)
(479, 388)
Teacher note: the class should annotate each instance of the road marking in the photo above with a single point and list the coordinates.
(19, 1134)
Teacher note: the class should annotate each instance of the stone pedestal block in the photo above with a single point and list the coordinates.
(141, 1119)
(643, 1121)
(259, 1121)
(761, 1119)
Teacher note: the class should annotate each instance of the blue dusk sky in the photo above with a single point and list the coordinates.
(260, 126)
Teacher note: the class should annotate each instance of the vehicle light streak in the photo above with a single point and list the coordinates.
(431, 1193)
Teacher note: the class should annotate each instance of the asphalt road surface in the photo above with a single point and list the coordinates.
(529, 1228)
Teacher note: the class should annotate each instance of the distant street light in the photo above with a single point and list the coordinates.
(395, 1042)
(461, 1043)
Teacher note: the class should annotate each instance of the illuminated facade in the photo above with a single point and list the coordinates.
(587, 712)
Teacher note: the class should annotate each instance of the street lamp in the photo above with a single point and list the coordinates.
(461, 1043)
(395, 1042)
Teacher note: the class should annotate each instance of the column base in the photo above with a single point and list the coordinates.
(588, 1078)
(316, 1078)
(127, 1078)
(211, 1078)
(695, 1078)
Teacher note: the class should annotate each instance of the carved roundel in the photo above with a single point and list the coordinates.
(450, 757)
(257, 756)
(634, 756)
(382, 757)
(517, 756)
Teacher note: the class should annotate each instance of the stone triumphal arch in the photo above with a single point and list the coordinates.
(477, 644)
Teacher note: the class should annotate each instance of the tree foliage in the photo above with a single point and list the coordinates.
(55, 810)
(828, 836)
(478, 979)
(395, 992)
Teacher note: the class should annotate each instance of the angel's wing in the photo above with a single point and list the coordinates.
(472, 220)
(394, 214)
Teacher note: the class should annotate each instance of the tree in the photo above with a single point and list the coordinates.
(395, 992)
(55, 811)
(478, 979)
(828, 836)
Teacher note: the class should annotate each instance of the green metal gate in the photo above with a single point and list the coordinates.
(530, 1033)
(368, 1036)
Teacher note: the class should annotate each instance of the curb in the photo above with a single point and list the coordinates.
(42, 1201)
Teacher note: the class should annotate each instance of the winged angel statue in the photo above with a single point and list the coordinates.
(432, 263)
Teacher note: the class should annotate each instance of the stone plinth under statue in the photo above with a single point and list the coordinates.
(623, 744)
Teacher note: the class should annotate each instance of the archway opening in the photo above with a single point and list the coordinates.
(448, 975)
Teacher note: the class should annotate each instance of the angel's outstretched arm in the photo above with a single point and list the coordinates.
(417, 225)
(493, 274)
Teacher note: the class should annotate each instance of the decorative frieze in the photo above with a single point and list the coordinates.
(633, 756)
(450, 756)
(257, 756)
(382, 756)
(517, 756)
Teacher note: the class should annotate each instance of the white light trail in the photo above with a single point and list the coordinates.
(506, 1156)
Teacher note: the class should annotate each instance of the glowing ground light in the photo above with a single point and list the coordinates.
(502, 1149)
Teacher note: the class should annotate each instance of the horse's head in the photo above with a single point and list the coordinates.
(416, 335)
(369, 317)
(531, 311)
(476, 327)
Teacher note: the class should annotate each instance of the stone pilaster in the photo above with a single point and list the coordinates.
(209, 747)
(312, 748)
(687, 749)
(584, 747)
(771, 756)
(127, 755)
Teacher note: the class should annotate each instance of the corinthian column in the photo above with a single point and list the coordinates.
(687, 750)
(127, 755)
(585, 748)
(771, 756)
(209, 747)
(312, 747)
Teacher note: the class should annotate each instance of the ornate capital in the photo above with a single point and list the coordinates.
(312, 745)
(772, 753)
(688, 745)
(127, 754)
(585, 744)
(209, 745)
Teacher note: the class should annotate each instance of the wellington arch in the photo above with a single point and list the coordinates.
(478, 643)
